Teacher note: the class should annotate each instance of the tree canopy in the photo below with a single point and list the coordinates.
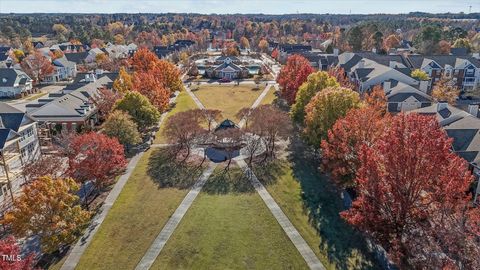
(324, 109)
(412, 197)
(292, 75)
(121, 126)
(139, 108)
(48, 208)
(315, 82)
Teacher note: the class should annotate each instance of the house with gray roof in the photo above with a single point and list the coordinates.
(228, 67)
(14, 83)
(462, 70)
(64, 70)
(402, 97)
(367, 73)
(74, 106)
(19, 145)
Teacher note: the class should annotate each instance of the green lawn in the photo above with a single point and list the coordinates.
(138, 215)
(312, 205)
(183, 103)
(229, 227)
(270, 97)
(228, 98)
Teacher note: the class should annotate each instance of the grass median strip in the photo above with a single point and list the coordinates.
(147, 201)
(229, 227)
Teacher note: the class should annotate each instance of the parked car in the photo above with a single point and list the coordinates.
(225, 80)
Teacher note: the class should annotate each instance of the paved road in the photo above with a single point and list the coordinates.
(80, 247)
(167, 231)
(292, 233)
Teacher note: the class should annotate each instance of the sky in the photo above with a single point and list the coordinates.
(237, 6)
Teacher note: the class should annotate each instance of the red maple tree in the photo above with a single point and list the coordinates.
(95, 156)
(410, 184)
(348, 135)
(10, 256)
(292, 75)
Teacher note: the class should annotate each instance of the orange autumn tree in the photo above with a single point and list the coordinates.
(376, 99)
(412, 197)
(49, 208)
(341, 148)
(168, 74)
(123, 83)
(153, 88)
(292, 75)
(143, 60)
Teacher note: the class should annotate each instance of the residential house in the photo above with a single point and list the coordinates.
(404, 46)
(92, 55)
(64, 70)
(5, 61)
(402, 97)
(14, 83)
(178, 46)
(228, 67)
(320, 60)
(38, 44)
(132, 48)
(464, 128)
(463, 71)
(19, 145)
(68, 47)
(285, 50)
(78, 58)
(366, 73)
(74, 106)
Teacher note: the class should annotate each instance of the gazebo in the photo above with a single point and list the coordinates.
(225, 143)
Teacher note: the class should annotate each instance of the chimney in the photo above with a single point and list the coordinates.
(423, 86)
(335, 52)
(441, 105)
(361, 63)
(473, 109)
(476, 55)
(387, 85)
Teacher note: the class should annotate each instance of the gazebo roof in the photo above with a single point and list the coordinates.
(226, 124)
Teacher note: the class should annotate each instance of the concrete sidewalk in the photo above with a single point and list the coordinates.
(80, 247)
(292, 233)
(152, 253)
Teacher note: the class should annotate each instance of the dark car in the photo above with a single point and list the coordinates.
(224, 80)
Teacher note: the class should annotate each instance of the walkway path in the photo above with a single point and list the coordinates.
(302, 246)
(162, 238)
(257, 102)
(80, 247)
(197, 101)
